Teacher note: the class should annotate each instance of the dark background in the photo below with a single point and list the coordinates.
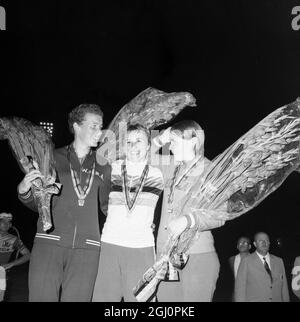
(239, 58)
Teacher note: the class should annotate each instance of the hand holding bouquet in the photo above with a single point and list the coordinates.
(33, 149)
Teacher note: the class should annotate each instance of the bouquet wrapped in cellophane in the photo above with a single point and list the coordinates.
(33, 149)
(235, 182)
(151, 108)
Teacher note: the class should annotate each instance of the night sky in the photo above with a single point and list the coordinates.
(239, 58)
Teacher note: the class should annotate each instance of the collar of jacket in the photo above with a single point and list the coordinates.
(87, 162)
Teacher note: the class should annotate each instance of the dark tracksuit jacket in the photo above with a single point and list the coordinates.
(75, 232)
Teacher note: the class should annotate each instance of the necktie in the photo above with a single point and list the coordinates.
(267, 267)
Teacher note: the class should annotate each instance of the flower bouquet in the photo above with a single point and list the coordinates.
(33, 149)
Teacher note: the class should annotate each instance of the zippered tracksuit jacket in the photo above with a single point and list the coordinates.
(64, 261)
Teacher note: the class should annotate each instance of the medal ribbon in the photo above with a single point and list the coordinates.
(130, 202)
(81, 193)
(176, 181)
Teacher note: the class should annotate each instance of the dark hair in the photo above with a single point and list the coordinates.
(78, 113)
(188, 129)
(139, 128)
(244, 237)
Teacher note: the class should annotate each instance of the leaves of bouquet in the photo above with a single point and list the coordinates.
(250, 169)
(28, 140)
(151, 108)
(32, 147)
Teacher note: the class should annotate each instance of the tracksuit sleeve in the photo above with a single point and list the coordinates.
(27, 199)
(105, 189)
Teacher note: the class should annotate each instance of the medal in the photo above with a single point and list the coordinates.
(130, 202)
(81, 202)
(82, 192)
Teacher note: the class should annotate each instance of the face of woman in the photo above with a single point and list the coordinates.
(183, 149)
(137, 146)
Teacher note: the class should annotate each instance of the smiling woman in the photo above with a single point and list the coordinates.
(138, 139)
(127, 241)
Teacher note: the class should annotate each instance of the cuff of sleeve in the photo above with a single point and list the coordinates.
(191, 220)
(25, 195)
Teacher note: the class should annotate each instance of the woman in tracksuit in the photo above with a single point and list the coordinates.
(64, 260)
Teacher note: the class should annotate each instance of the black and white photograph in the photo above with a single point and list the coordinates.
(150, 152)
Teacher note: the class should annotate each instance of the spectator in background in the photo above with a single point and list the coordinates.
(296, 277)
(243, 246)
(261, 276)
(8, 245)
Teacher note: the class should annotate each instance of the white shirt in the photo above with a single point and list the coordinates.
(132, 228)
(237, 261)
(267, 257)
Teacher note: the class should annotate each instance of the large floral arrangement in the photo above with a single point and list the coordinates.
(33, 149)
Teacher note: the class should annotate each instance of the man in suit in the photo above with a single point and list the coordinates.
(243, 246)
(296, 277)
(261, 276)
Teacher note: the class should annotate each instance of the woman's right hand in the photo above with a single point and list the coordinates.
(26, 183)
(165, 137)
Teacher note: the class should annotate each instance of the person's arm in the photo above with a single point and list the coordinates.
(201, 219)
(165, 159)
(296, 277)
(209, 220)
(285, 289)
(105, 188)
(28, 200)
(160, 140)
(241, 282)
(24, 189)
(19, 261)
